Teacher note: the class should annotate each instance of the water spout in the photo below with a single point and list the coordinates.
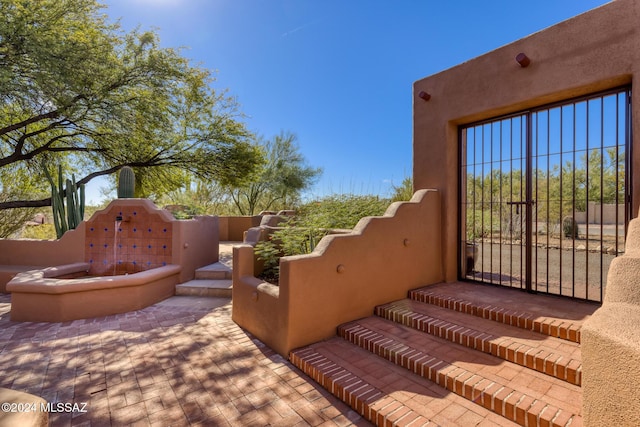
(116, 229)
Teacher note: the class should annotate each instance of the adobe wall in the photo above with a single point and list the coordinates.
(146, 238)
(232, 228)
(195, 244)
(344, 278)
(140, 240)
(21, 255)
(594, 51)
(67, 250)
(611, 344)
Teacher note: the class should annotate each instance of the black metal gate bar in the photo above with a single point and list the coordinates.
(547, 171)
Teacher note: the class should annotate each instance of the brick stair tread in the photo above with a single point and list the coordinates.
(478, 376)
(384, 393)
(544, 353)
(546, 314)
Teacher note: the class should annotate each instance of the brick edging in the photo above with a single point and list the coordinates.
(544, 325)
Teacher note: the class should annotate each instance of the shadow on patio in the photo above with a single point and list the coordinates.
(179, 362)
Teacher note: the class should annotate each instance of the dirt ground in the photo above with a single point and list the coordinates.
(561, 266)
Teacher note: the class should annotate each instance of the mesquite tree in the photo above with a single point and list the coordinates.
(76, 90)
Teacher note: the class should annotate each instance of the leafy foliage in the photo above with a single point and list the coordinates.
(280, 181)
(75, 90)
(314, 220)
(39, 232)
(16, 183)
(201, 198)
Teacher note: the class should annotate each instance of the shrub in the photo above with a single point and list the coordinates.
(268, 252)
(342, 211)
(570, 227)
(313, 221)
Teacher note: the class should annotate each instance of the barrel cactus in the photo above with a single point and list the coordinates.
(126, 183)
(570, 227)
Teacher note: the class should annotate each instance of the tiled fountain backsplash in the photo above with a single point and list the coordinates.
(141, 241)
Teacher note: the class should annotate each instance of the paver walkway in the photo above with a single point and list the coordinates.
(181, 362)
(177, 363)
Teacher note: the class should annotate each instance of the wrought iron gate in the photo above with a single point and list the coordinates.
(544, 196)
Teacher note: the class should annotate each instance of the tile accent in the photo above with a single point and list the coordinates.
(142, 241)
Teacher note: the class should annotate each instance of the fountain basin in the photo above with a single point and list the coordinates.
(63, 293)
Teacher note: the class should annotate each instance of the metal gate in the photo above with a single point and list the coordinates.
(544, 196)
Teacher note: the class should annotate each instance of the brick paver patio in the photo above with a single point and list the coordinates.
(178, 363)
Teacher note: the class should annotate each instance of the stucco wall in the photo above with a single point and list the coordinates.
(232, 228)
(611, 344)
(190, 243)
(195, 244)
(594, 51)
(344, 278)
(66, 250)
(16, 254)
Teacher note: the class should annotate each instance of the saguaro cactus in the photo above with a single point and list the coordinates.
(126, 183)
(72, 216)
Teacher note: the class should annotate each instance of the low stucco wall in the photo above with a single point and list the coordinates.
(37, 296)
(232, 228)
(195, 244)
(611, 344)
(68, 249)
(344, 278)
(19, 255)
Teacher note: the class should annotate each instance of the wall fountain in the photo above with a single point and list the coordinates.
(134, 255)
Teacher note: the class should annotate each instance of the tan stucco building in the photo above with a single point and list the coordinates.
(593, 52)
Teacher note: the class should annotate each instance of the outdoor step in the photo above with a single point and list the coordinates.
(216, 271)
(205, 288)
(386, 394)
(545, 314)
(524, 396)
(549, 355)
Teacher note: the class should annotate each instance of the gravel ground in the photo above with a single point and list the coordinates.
(567, 272)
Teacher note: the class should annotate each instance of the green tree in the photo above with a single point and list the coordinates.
(17, 183)
(283, 177)
(201, 198)
(76, 90)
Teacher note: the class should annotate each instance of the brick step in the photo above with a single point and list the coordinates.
(545, 314)
(206, 288)
(549, 355)
(216, 271)
(386, 394)
(519, 394)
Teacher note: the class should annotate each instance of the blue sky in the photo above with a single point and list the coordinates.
(338, 73)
